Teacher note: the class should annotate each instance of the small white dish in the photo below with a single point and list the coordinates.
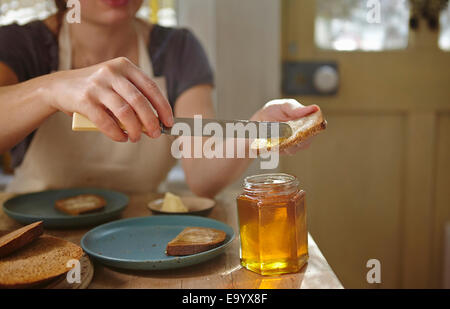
(195, 205)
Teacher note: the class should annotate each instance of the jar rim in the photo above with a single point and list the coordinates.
(266, 181)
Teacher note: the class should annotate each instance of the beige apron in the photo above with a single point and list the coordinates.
(60, 158)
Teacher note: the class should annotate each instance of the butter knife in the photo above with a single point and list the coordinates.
(207, 127)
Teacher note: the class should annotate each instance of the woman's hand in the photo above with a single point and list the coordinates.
(282, 110)
(112, 91)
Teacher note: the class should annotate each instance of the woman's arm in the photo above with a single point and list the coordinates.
(111, 90)
(206, 177)
(22, 107)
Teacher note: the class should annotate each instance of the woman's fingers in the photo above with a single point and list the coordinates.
(115, 91)
(299, 112)
(123, 111)
(149, 89)
(140, 104)
(104, 122)
(121, 90)
(285, 110)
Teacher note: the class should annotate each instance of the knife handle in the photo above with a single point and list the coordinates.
(81, 123)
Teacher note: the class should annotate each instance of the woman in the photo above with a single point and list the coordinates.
(109, 67)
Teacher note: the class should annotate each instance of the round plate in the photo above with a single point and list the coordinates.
(28, 208)
(196, 205)
(140, 243)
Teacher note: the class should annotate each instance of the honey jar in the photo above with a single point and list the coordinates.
(272, 224)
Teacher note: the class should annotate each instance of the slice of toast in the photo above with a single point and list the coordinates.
(41, 260)
(80, 204)
(19, 238)
(302, 129)
(194, 240)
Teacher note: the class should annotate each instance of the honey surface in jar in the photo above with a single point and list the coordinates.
(272, 223)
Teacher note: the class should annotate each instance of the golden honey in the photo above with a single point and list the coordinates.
(272, 224)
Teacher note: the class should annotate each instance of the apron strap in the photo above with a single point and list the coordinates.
(65, 47)
(144, 56)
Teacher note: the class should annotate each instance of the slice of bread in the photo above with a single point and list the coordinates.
(17, 239)
(194, 240)
(80, 204)
(43, 259)
(302, 129)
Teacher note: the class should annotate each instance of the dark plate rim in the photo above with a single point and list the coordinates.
(63, 216)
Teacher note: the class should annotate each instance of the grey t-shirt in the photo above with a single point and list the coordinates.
(31, 50)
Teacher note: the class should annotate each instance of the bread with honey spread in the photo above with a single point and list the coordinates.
(194, 240)
(80, 204)
(302, 129)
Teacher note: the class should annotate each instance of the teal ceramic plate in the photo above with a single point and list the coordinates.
(140, 243)
(28, 208)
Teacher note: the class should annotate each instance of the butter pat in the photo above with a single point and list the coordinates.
(173, 203)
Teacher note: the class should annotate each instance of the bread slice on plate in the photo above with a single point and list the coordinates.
(42, 260)
(302, 129)
(80, 204)
(19, 238)
(194, 240)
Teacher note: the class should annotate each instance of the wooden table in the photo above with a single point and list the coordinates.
(223, 272)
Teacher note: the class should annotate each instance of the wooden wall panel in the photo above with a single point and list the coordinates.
(442, 198)
(418, 209)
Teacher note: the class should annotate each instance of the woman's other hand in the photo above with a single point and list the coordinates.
(112, 91)
(282, 110)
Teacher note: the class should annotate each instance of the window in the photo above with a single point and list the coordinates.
(444, 36)
(24, 11)
(165, 12)
(367, 25)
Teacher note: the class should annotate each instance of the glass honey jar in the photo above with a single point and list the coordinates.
(272, 224)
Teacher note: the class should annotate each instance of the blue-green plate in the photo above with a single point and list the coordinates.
(32, 207)
(140, 243)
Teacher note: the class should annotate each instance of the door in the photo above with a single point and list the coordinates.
(377, 180)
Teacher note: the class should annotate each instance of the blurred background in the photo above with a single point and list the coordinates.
(378, 179)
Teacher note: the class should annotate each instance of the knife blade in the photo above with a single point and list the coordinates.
(198, 126)
(227, 128)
